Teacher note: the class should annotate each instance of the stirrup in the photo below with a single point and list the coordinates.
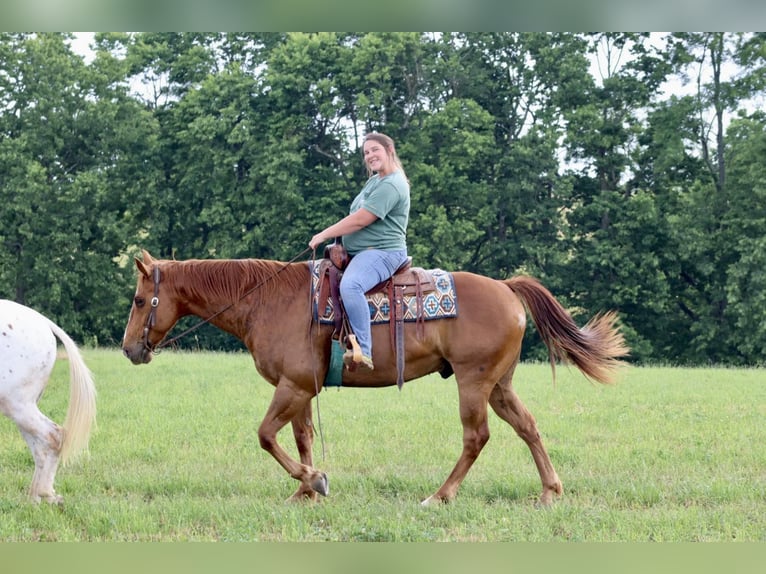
(354, 358)
(355, 353)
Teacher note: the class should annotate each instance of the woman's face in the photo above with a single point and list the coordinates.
(376, 157)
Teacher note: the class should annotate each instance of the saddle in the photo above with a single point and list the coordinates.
(407, 280)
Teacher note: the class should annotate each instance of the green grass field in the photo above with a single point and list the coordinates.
(666, 454)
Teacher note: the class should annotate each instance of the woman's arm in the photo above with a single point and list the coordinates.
(352, 222)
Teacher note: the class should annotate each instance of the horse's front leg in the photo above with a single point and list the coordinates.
(303, 431)
(290, 401)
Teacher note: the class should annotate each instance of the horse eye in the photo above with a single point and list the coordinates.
(139, 301)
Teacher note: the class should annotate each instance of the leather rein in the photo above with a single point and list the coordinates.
(151, 319)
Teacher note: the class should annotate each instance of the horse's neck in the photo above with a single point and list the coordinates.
(226, 292)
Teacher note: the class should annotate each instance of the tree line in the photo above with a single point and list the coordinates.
(560, 155)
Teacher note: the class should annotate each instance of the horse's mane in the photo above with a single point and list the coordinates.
(233, 279)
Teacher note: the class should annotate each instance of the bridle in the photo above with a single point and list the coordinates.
(151, 319)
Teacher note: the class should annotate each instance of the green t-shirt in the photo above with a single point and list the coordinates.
(388, 198)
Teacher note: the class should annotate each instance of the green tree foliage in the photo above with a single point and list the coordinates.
(558, 155)
(704, 235)
(745, 287)
(73, 157)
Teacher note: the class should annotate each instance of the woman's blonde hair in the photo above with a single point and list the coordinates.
(390, 148)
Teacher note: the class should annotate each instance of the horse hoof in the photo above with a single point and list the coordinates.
(321, 484)
(302, 497)
(433, 501)
(549, 495)
(52, 499)
(545, 501)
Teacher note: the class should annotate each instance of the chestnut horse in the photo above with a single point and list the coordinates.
(266, 305)
(27, 357)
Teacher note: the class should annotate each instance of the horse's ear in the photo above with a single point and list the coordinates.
(146, 257)
(142, 266)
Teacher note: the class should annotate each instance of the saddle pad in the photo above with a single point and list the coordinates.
(438, 304)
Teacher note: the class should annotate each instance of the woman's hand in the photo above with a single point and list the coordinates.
(317, 240)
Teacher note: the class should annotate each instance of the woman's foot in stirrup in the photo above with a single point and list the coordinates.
(366, 363)
(352, 362)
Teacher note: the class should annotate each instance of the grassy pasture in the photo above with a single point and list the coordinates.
(667, 454)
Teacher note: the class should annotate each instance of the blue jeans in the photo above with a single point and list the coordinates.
(366, 269)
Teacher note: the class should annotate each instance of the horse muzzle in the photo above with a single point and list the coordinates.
(138, 353)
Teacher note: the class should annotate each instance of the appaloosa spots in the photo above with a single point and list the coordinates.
(28, 357)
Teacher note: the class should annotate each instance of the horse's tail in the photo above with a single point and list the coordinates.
(81, 413)
(595, 349)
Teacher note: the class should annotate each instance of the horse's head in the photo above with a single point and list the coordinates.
(152, 315)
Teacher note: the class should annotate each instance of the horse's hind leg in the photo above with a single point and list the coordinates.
(473, 414)
(509, 407)
(44, 438)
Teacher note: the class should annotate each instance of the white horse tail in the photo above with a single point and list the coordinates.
(81, 413)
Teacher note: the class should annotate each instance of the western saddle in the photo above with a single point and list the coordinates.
(406, 281)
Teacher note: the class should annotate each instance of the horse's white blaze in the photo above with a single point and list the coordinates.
(130, 318)
(27, 357)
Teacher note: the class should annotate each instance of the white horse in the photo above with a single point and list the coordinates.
(27, 356)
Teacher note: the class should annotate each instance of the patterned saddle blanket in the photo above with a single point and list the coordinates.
(438, 302)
